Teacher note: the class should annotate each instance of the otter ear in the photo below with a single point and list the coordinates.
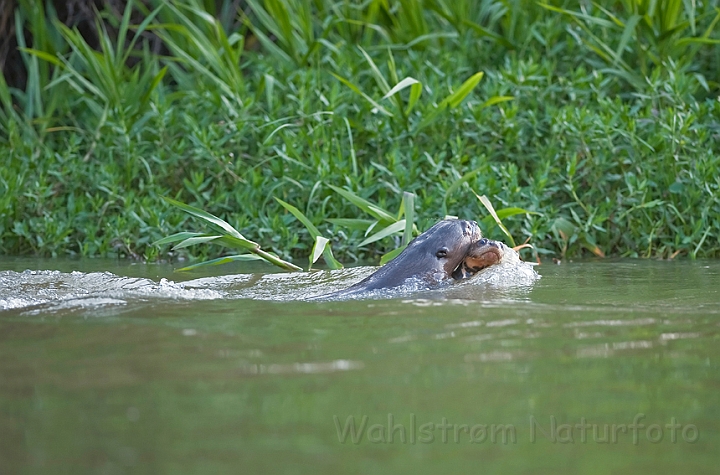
(442, 252)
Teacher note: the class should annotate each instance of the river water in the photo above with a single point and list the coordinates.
(598, 367)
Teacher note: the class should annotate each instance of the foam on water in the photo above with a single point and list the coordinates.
(510, 272)
(35, 292)
(83, 290)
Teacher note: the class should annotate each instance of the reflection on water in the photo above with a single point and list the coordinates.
(608, 366)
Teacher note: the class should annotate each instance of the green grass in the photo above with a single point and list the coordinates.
(602, 121)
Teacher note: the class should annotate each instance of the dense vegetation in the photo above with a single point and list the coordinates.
(602, 118)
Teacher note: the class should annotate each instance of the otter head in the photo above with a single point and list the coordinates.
(432, 256)
(481, 254)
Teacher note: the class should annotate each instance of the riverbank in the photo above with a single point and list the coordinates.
(617, 154)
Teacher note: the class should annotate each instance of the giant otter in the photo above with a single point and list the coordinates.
(431, 257)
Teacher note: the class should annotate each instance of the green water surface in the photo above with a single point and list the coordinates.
(520, 381)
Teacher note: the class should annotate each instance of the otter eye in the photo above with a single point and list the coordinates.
(442, 252)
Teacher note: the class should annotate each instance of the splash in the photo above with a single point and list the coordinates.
(63, 290)
(38, 292)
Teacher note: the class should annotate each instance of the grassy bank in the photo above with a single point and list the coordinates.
(604, 123)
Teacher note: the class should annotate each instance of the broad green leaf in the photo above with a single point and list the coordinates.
(389, 230)
(676, 187)
(269, 82)
(122, 31)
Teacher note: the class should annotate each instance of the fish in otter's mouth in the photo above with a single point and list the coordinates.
(482, 254)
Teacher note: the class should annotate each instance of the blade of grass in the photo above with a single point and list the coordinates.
(496, 100)
(351, 223)
(451, 101)
(176, 237)
(300, 217)
(626, 36)
(458, 183)
(409, 205)
(454, 99)
(415, 91)
(325, 249)
(353, 158)
(198, 213)
(233, 238)
(486, 203)
(385, 232)
(379, 78)
(222, 260)
(370, 208)
(318, 248)
(407, 82)
(357, 90)
(391, 255)
(195, 240)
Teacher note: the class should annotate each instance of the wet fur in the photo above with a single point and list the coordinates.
(419, 259)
